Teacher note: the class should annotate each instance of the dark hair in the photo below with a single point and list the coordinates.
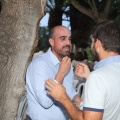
(51, 33)
(79, 56)
(108, 32)
(85, 54)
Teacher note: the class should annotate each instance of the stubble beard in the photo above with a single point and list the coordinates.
(95, 54)
(61, 52)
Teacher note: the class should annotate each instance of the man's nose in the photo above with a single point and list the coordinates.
(68, 41)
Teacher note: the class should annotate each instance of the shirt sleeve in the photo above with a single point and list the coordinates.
(95, 93)
(72, 87)
(37, 74)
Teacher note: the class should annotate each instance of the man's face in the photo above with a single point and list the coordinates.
(94, 52)
(61, 42)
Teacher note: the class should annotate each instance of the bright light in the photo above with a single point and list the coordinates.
(44, 21)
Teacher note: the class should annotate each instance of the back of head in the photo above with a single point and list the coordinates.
(85, 54)
(108, 32)
(79, 56)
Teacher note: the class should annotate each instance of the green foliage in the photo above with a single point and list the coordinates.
(81, 24)
(42, 38)
(114, 13)
(89, 53)
(67, 2)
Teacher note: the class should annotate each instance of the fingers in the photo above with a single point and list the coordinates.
(65, 64)
(49, 93)
(79, 67)
(81, 64)
(67, 60)
(48, 87)
(49, 84)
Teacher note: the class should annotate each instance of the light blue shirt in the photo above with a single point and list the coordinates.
(107, 61)
(40, 105)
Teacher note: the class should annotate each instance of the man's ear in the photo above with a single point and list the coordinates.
(51, 41)
(98, 43)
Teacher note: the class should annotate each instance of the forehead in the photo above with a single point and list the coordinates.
(62, 31)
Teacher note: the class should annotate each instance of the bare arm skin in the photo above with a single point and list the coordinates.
(63, 69)
(77, 100)
(82, 70)
(58, 92)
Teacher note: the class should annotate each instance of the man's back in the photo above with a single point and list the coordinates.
(105, 91)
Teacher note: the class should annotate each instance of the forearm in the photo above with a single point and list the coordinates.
(64, 67)
(59, 77)
(72, 110)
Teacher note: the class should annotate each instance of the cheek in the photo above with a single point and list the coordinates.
(58, 46)
(92, 46)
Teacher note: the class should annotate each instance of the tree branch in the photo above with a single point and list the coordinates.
(94, 9)
(51, 9)
(107, 7)
(82, 9)
(89, 2)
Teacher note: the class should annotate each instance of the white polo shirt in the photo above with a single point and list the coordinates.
(102, 89)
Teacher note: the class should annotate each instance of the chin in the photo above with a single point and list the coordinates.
(66, 55)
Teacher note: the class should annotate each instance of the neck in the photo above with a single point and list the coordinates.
(107, 54)
(57, 55)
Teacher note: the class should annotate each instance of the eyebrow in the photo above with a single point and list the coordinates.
(64, 36)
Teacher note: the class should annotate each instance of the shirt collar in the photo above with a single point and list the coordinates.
(106, 61)
(53, 57)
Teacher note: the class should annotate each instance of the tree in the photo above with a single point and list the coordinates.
(19, 21)
(56, 8)
(81, 26)
(98, 10)
(114, 13)
(87, 14)
(43, 33)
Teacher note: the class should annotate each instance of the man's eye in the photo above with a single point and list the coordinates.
(63, 38)
(69, 39)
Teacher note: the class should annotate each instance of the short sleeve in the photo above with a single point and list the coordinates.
(95, 93)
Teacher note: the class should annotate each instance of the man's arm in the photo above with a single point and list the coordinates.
(82, 70)
(63, 69)
(58, 92)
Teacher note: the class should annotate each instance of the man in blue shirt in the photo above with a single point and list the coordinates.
(102, 89)
(50, 65)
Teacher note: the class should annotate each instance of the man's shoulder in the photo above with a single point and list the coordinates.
(42, 59)
(106, 71)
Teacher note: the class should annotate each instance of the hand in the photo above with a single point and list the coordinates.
(65, 65)
(63, 69)
(57, 91)
(77, 100)
(82, 70)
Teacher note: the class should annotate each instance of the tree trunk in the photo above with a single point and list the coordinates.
(19, 20)
(55, 18)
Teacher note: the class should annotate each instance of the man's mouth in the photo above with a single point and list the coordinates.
(66, 48)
